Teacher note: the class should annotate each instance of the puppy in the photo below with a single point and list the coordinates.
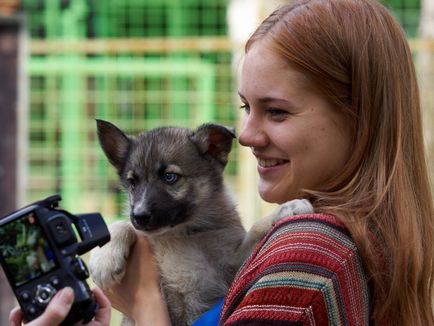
(177, 198)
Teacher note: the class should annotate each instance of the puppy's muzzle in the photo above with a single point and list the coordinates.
(141, 221)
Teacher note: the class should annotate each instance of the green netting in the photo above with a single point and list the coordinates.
(127, 18)
(137, 18)
(137, 92)
(407, 12)
(133, 18)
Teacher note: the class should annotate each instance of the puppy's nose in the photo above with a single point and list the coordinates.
(141, 218)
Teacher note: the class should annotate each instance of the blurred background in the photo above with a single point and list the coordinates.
(139, 64)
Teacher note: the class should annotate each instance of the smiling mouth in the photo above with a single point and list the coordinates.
(270, 163)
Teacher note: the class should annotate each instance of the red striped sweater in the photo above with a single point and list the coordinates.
(307, 271)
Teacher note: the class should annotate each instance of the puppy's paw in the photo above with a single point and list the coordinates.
(293, 207)
(126, 321)
(107, 264)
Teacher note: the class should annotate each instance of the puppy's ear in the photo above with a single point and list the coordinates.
(114, 143)
(214, 140)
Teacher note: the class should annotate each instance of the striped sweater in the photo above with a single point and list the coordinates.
(306, 271)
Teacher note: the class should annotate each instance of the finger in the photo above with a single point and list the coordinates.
(57, 309)
(16, 317)
(103, 314)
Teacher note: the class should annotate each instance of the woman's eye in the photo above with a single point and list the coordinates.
(245, 107)
(277, 113)
(170, 178)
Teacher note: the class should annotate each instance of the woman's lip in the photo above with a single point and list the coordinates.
(269, 165)
(264, 171)
(270, 162)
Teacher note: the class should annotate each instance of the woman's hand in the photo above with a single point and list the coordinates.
(59, 307)
(138, 295)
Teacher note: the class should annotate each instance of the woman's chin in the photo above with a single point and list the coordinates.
(269, 196)
(276, 196)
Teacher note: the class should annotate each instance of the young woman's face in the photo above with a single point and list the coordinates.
(299, 140)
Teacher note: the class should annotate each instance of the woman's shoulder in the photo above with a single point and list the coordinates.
(329, 225)
(307, 266)
(319, 234)
(304, 242)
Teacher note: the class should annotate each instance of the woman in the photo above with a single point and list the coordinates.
(332, 114)
(353, 55)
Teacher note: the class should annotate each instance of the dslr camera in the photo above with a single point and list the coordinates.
(40, 246)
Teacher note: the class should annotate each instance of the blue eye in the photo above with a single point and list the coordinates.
(170, 178)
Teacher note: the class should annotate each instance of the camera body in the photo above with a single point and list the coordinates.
(39, 252)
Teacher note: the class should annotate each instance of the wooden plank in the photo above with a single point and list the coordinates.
(158, 45)
(420, 44)
(138, 45)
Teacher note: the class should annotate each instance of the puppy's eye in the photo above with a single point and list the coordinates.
(170, 178)
(131, 180)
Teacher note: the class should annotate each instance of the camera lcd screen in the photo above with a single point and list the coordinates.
(25, 250)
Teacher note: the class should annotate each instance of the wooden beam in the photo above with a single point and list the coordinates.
(157, 45)
(419, 44)
(134, 45)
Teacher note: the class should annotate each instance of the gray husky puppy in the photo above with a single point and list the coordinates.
(177, 198)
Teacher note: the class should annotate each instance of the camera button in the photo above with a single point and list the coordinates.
(25, 296)
(44, 293)
(31, 311)
(80, 269)
(55, 281)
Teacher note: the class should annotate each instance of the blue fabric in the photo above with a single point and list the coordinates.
(211, 317)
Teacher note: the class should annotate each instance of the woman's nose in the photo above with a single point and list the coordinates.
(252, 133)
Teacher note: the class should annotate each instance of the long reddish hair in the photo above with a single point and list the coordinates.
(357, 56)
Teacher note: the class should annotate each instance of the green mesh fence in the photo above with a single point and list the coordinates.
(136, 91)
(133, 18)
(408, 14)
(138, 94)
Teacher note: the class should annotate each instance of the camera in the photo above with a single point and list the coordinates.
(40, 246)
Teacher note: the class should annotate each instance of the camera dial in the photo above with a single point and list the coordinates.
(44, 293)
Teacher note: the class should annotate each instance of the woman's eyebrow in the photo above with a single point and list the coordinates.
(267, 99)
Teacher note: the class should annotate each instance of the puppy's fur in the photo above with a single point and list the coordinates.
(177, 198)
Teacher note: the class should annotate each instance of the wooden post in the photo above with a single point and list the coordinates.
(425, 68)
(10, 30)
